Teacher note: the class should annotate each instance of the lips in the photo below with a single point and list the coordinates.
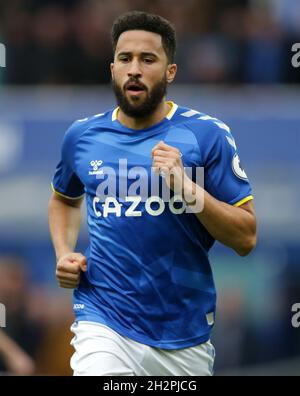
(135, 88)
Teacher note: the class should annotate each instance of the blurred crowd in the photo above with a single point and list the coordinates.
(36, 339)
(233, 41)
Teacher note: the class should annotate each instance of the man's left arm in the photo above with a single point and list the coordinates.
(234, 226)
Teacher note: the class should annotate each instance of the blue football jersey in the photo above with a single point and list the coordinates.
(148, 272)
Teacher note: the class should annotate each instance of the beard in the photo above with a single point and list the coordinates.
(148, 105)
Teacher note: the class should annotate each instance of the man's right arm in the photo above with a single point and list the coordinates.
(64, 224)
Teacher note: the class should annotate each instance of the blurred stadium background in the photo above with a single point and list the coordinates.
(234, 61)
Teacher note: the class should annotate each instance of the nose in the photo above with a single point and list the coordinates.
(134, 69)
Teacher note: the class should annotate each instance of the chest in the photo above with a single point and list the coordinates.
(118, 160)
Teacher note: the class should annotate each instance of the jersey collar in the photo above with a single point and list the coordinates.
(169, 116)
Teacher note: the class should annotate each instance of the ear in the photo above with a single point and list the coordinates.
(171, 72)
(112, 70)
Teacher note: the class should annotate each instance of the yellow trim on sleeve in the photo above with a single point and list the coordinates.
(64, 196)
(244, 200)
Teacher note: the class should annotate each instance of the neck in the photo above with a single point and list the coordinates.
(142, 123)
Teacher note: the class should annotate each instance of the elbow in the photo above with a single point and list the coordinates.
(247, 246)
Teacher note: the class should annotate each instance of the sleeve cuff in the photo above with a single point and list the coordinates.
(63, 195)
(244, 200)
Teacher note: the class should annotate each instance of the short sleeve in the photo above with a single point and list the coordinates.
(65, 181)
(225, 178)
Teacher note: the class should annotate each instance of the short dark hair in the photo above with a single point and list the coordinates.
(139, 20)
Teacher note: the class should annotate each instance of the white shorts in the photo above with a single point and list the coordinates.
(100, 351)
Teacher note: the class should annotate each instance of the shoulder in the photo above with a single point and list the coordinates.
(212, 135)
(204, 126)
(80, 126)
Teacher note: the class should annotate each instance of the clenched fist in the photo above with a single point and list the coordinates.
(68, 269)
(167, 162)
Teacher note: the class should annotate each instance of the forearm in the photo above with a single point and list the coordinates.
(16, 360)
(64, 224)
(9, 349)
(7, 346)
(230, 225)
(5, 343)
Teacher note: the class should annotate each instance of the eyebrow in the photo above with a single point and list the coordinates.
(142, 53)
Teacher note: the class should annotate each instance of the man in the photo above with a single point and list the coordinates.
(144, 296)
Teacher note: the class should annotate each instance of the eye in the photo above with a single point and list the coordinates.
(148, 60)
(124, 59)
